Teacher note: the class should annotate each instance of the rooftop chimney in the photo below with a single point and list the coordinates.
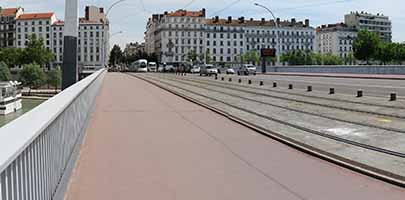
(278, 20)
(242, 20)
(166, 12)
(216, 19)
(263, 20)
(307, 22)
(293, 21)
(229, 19)
(204, 12)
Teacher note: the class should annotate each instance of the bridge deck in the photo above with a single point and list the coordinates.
(145, 143)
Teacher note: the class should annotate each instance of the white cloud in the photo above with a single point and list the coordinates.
(131, 15)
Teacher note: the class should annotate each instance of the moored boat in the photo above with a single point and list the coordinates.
(10, 97)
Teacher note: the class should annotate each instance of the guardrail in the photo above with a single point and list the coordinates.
(38, 150)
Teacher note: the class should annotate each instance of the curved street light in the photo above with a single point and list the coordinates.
(104, 23)
(278, 30)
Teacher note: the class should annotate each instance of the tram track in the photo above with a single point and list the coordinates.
(348, 107)
(286, 123)
(293, 109)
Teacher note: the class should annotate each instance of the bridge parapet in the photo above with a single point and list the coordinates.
(38, 150)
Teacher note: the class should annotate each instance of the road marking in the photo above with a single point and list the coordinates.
(384, 120)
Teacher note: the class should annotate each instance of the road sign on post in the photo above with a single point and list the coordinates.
(266, 53)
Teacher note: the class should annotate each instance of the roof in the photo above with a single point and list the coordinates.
(36, 16)
(185, 13)
(83, 20)
(59, 23)
(251, 22)
(335, 27)
(8, 12)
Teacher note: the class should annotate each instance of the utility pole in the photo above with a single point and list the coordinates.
(71, 29)
(278, 30)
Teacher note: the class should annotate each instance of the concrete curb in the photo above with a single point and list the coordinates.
(338, 160)
(364, 76)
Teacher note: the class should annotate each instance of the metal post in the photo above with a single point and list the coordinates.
(69, 66)
(278, 52)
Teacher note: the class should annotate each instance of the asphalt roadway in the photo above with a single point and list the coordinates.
(349, 86)
(145, 143)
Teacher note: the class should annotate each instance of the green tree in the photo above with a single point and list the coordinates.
(251, 57)
(12, 56)
(35, 52)
(5, 74)
(365, 46)
(32, 76)
(116, 55)
(386, 52)
(349, 59)
(192, 56)
(54, 77)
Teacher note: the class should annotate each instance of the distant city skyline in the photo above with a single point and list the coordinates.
(131, 16)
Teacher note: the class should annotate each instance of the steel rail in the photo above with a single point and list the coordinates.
(318, 133)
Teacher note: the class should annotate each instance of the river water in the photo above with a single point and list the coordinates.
(27, 104)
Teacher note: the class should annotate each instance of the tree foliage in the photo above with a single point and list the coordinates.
(5, 74)
(116, 55)
(251, 57)
(54, 77)
(300, 57)
(366, 45)
(32, 76)
(35, 52)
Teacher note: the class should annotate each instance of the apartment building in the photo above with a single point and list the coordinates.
(8, 26)
(176, 34)
(224, 40)
(336, 39)
(93, 35)
(133, 48)
(378, 23)
(38, 24)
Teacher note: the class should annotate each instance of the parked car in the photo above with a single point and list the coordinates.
(170, 68)
(247, 70)
(230, 71)
(195, 70)
(208, 70)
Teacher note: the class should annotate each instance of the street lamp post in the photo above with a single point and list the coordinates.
(111, 36)
(278, 31)
(105, 34)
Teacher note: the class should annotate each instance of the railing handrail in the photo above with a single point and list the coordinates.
(19, 134)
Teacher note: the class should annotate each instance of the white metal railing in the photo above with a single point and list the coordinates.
(37, 149)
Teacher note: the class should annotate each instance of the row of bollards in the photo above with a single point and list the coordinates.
(359, 94)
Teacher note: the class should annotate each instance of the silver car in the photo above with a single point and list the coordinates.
(208, 70)
(247, 70)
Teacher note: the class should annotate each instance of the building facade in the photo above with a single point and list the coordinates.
(133, 48)
(8, 26)
(379, 24)
(172, 36)
(93, 36)
(335, 39)
(38, 24)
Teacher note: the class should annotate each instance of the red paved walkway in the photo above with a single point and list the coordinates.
(145, 143)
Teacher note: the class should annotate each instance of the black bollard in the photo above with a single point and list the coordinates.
(393, 96)
(240, 81)
(250, 82)
(274, 84)
(230, 79)
(222, 78)
(359, 93)
(290, 86)
(261, 83)
(309, 88)
(331, 90)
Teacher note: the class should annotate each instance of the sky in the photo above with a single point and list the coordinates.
(131, 16)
